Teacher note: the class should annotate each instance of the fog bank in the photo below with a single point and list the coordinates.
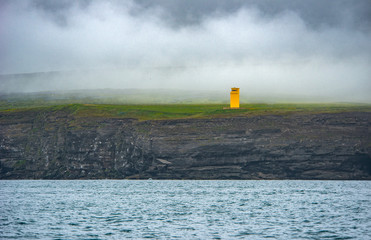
(266, 49)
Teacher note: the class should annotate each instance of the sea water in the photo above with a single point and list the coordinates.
(151, 209)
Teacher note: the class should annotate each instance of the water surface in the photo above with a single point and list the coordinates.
(122, 209)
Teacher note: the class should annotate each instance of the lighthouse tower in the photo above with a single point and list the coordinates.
(235, 98)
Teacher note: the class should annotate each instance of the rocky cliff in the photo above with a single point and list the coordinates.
(59, 145)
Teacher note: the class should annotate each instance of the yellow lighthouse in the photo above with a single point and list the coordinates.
(235, 98)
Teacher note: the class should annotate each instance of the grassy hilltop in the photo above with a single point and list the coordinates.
(157, 104)
(179, 111)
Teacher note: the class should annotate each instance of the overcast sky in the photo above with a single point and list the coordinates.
(310, 48)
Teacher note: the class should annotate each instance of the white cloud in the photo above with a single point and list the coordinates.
(279, 55)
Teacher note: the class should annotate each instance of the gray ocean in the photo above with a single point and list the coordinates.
(151, 209)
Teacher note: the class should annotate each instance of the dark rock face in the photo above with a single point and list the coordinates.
(297, 146)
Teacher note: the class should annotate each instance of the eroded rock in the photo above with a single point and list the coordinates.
(297, 146)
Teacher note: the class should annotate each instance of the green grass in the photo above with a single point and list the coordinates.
(181, 111)
(164, 104)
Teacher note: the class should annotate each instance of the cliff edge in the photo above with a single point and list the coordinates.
(60, 145)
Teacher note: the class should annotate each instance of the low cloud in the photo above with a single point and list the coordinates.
(100, 44)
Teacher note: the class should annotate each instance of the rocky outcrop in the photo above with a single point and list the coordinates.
(59, 145)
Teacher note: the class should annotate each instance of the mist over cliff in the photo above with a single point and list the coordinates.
(314, 49)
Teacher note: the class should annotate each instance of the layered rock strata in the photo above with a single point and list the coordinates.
(59, 145)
